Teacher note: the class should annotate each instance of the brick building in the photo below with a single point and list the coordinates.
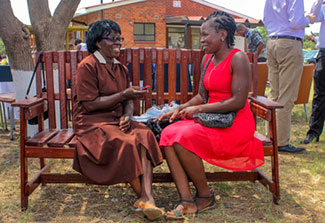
(158, 23)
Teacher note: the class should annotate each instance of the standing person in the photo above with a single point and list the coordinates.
(254, 41)
(186, 142)
(80, 45)
(285, 24)
(111, 148)
(316, 122)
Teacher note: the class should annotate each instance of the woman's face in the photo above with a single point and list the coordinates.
(109, 46)
(211, 39)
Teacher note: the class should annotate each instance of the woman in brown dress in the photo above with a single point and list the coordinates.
(111, 148)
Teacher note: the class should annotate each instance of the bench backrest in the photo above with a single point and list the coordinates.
(174, 75)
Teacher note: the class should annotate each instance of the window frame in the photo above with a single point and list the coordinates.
(144, 32)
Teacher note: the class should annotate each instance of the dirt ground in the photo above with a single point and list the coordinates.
(302, 181)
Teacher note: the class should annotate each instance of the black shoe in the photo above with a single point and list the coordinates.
(311, 138)
(291, 149)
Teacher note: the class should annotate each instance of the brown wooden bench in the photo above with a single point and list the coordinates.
(59, 141)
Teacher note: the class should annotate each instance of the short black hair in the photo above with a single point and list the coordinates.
(77, 41)
(224, 21)
(99, 29)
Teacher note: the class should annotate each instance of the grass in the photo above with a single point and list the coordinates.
(302, 180)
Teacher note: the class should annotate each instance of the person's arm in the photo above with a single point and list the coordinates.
(260, 48)
(317, 10)
(296, 15)
(239, 89)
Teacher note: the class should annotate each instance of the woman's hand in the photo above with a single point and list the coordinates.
(132, 93)
(125, 123)
(171, 114)
(188, 112)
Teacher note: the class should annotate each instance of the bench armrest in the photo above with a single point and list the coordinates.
(264, 102)
(28, 102)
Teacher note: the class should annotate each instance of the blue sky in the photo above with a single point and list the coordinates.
(252, 8)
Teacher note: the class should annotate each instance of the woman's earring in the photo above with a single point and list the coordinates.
(222, 39)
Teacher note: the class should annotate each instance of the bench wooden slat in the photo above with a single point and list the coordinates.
(46, 152)
(73, 142)
(62, 90)
(50, 90)
(136, 77)
(61, 139)
(160, 77)
(196, 55)
(184, 76)
(42, 137)
(172, 75)
(148, 76)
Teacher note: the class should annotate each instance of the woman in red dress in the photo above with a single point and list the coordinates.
(186, 143)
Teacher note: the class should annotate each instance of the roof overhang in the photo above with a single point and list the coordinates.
(95, 8)
(198, 20)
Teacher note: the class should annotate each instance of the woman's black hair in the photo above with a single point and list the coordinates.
(224, 21)
(99, 29)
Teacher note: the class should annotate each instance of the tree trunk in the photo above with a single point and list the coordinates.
(50, 31)
(15, 36)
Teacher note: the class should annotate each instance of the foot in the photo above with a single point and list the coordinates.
(149, 210)
(311, 138)
(185, 207)
(291, 149)
(205, 203)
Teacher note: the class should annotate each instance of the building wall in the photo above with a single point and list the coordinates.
(151, 11)
(189, 8)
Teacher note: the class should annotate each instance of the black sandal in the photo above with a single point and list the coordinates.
(178, 214)
(211, 205)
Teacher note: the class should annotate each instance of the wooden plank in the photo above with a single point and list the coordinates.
(62, 138)
(50, 89)
(36, 181)
(184, 76)
(147, 79)
(171, 75)
(62, 89)
(35, 110)
(73, 142)
(73, 68)
(42, 137)
(65, 178)
(160, 77)
(136, 77)
(45, 152)
(196, 55)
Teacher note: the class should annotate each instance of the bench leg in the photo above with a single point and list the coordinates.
(23, 181)
(4, 114)
(12, 122)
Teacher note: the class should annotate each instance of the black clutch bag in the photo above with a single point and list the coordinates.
(215, 120)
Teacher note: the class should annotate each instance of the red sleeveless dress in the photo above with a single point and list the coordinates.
(233, 148)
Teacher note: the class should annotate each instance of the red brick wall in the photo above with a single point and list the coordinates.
(152, 11)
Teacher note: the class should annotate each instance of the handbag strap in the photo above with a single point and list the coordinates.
(204, 92)
(39, 60)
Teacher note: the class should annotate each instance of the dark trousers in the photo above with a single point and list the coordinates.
(316, 122)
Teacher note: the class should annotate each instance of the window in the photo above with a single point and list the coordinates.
(176, 37)
(176, 4)
(144, 32)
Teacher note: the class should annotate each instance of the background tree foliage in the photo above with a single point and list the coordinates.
(2, 48)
